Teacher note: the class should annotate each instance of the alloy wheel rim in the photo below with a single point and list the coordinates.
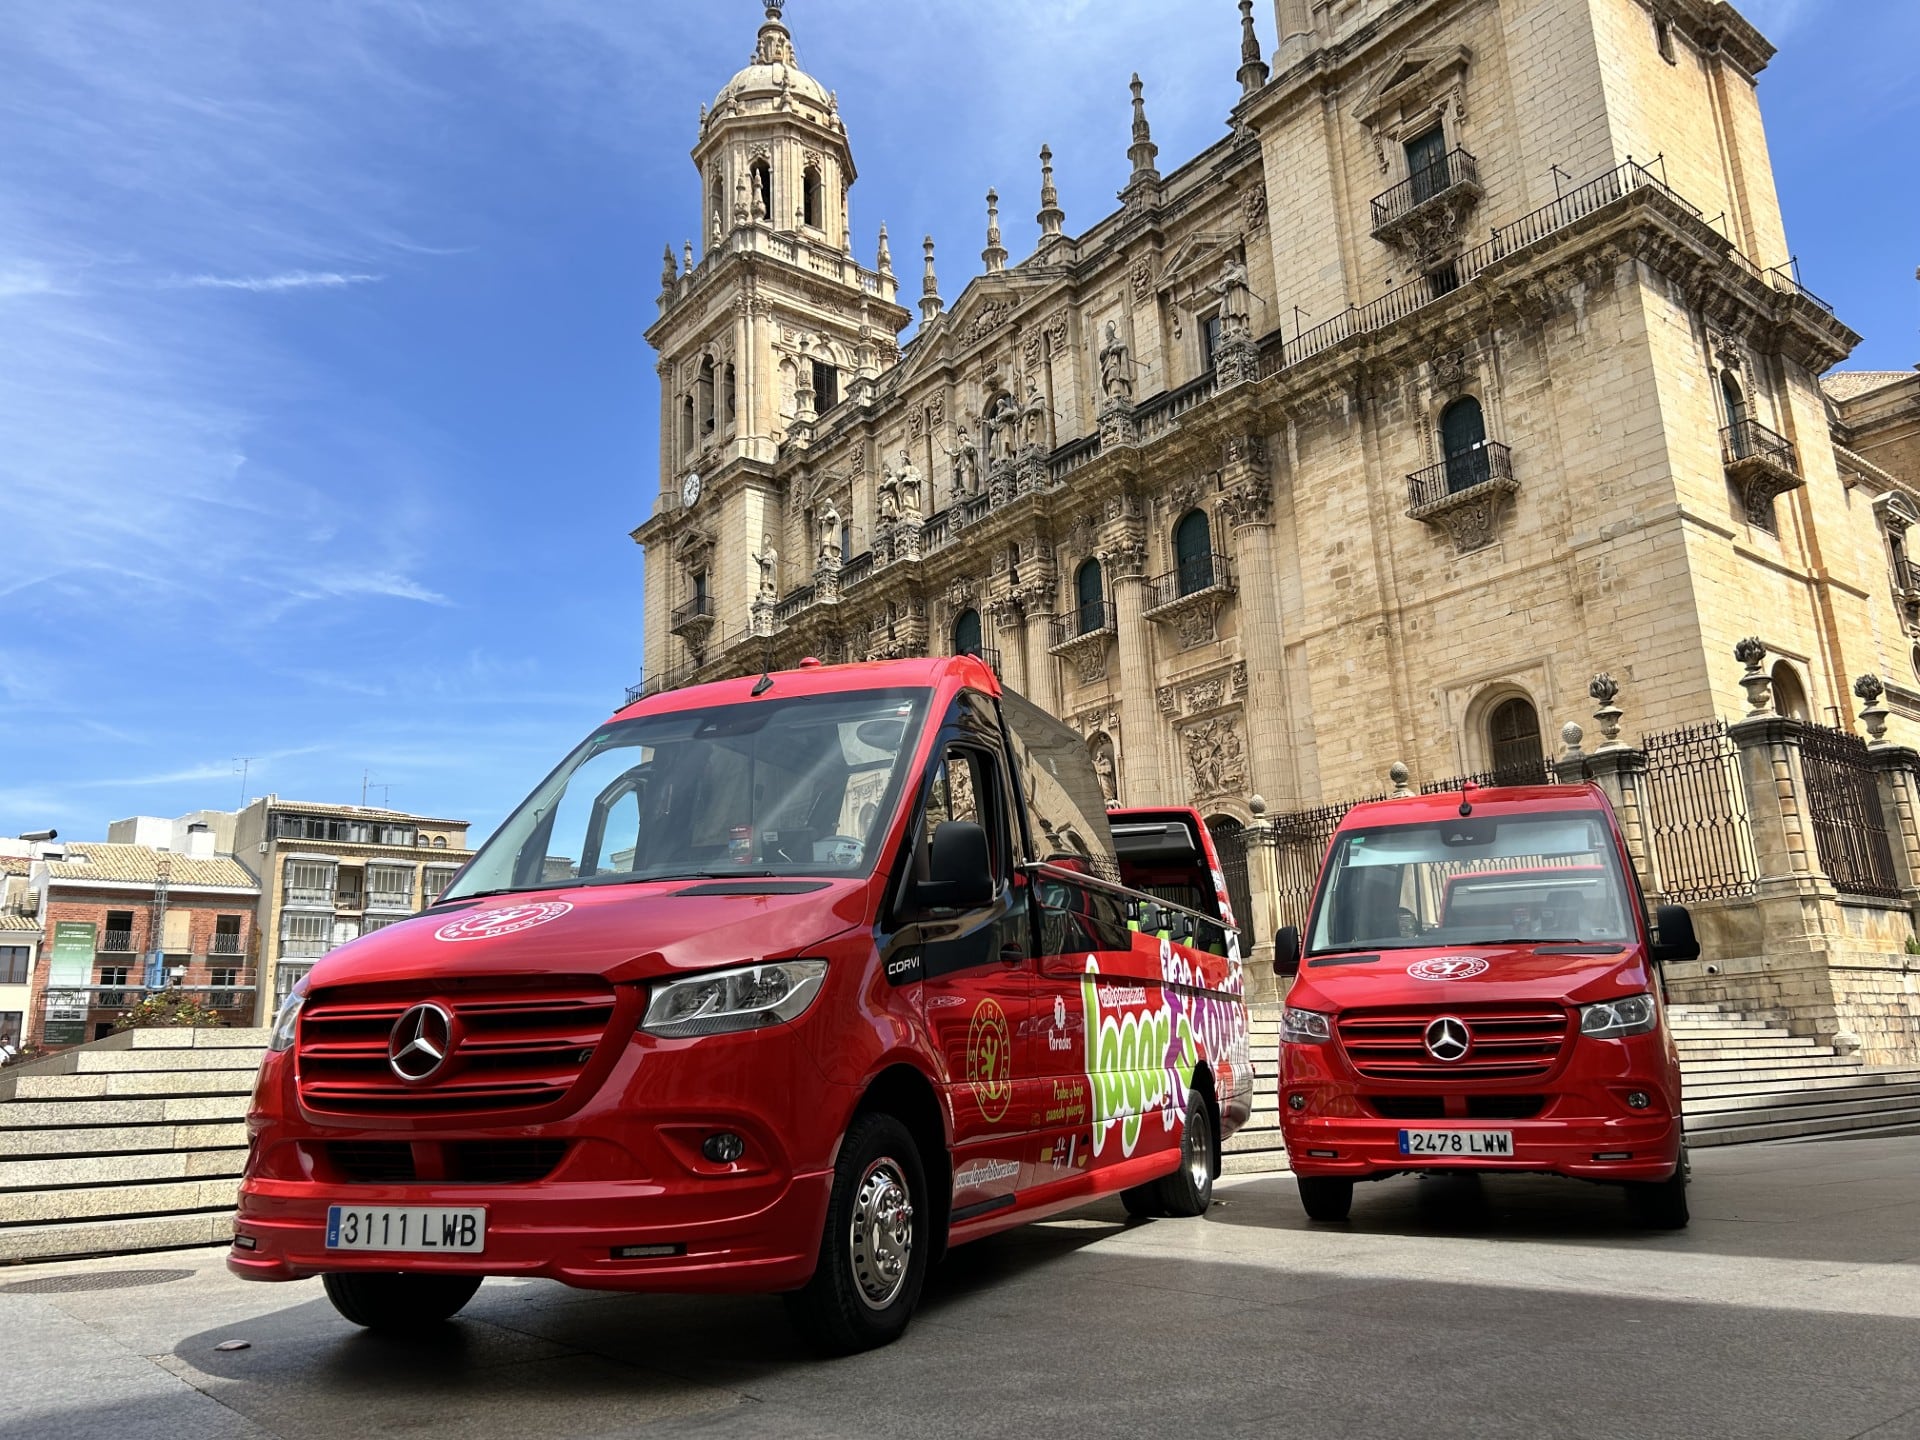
(1198, 1144)
(881, 1234)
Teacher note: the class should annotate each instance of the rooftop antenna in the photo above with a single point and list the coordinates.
(241, 765)
(1466, 797)
(765, 682)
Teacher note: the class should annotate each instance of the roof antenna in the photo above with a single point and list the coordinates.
(765, 682)
(1466, 800)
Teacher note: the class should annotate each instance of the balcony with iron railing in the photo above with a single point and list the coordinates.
(116, 942)
(1464, 494)
(1084, 624)
(225, 944)
(1452, 179)
(694, 616)
(1762, 466)
(1197, 579)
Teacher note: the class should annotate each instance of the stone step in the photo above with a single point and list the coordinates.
(235, 1059)
(117, 1170)
(1823, 1111)
(1868, 1132)
(1253, 1162)
(121, 1139)
(1715, 1034)
(212, 1037)
(74, 1240)
(1721, 1065)
(1857, 1093)
(61, 1114)
(140, 1083)
(1764, 1084)
(98, 1202)
(1710, 1049)
(1798, 1127)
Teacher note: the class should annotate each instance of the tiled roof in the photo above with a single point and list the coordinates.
(15, 864)
(141, 864)
(1846, 384)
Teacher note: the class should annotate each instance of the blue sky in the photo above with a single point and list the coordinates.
(324, 403)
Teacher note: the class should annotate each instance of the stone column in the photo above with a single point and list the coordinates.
(1620, 771)
(1143, 779)
(1010, 630)
(1263, 882)
(1776, 787)
(1899, 776)
(1043, 681)
(1247, 506)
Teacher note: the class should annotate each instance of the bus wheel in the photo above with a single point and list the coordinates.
(1188, 1191)
(1143, 1201)
(873, 1255)
(1325, 1197)
(1661, 1204)
(399, 1302)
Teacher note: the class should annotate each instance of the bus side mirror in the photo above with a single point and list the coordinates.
(1286, 953)
(959, 869)
(1676, 941)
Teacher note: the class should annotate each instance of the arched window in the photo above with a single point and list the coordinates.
(966, 633)
(1463, 440)
(1513, 741)
(1789, 695)
(1734, 400)
(732, 388)
(810, 204)
(439, 842)
(687, 433)
(703, 388)
(762, 182)
(1090, 599)
(1193, 552)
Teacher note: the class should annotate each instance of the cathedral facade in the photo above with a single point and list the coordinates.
(1470, 361)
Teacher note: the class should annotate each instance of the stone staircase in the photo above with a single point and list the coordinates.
(131, 1143)
(1745, 1080)
(1256, 1147)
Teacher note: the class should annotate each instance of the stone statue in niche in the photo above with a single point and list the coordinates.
(889, 496)
(1004, 418)
(908, 482)
(829, 549)
(1103, 766)
(769, 562)
(965, 456)
(1236, 299)
(1034, 414)
(1116, 367)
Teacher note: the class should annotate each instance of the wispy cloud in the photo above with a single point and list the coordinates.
(269, 284)
(195, 774)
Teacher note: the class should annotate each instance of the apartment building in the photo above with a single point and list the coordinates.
(331, 873)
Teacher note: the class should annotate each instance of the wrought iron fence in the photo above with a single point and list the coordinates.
(1748, 439)
(1843, 802)
(1230, 844)
(1531, 772)
(1092, 617)
(1205, 571)
(1460, 471)
(1697, 817)
(1456, 167)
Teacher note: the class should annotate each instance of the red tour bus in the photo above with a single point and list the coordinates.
(776, 985)
(1480, 990)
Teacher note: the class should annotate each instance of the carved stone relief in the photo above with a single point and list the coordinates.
(1216, 756)
(1143, 281)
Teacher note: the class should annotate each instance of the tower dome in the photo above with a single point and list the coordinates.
(773, 79)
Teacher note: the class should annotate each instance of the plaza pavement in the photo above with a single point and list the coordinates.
(1520, 1307)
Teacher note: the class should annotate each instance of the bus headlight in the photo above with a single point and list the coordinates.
(723, 1001)
(1304, 1027)
(1617, 1019)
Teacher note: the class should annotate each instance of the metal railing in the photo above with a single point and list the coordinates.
(1094, 618)
(1455, 167)
(1697, 819)
(1192, 575)
(117, 942)
(1906, 574)
(1748, 439)
(856, 570)
(1488, 460)
(700, 607)
(795, 600)
(1849, 824)
(1523, 772)
(222, 944)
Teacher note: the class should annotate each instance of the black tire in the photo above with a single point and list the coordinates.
(1188, 1191)
(1661, 1204)
(1143, 1201)
(863, 1291)
(1325, 1197)
(389, 1302)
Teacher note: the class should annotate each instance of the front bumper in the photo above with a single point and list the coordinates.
(761, 1238)
(1367, 1148)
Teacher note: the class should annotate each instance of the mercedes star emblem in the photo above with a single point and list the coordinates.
(1447, 1039)
(420, 1042)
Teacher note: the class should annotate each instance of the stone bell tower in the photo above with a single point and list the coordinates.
(772, 326)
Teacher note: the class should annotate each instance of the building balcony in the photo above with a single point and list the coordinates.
(1426, 212)
(116, 942)
(1465, 494)
(1084, 623)
(692, 620)
(226, 945)
(1196, 581)
(304, 949)
(1762, 466)
(794, 602)
(390, 900)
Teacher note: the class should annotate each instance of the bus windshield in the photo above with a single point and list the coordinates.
(1478, 880)
(803, 786)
